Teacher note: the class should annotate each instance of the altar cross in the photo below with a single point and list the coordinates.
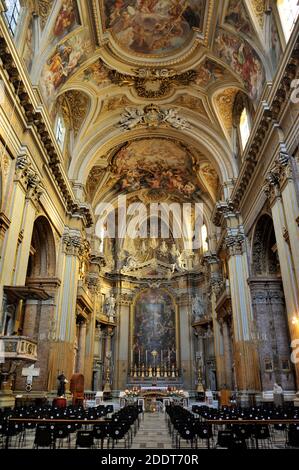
(29, 373)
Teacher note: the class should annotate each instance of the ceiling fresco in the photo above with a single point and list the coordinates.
(103, 63)
(155, 27)
(155, 164)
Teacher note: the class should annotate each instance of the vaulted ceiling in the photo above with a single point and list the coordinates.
(151, 83)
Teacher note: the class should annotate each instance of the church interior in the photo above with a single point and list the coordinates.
(149, 221)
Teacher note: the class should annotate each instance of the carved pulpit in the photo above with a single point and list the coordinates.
(77, 389)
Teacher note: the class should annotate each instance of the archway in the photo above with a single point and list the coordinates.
(42, 259)
(270, 322)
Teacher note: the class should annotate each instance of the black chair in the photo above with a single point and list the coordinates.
(225, 439)
(262, 433)
(204, 432)
(116, 433)
(100, 433)
(85, 439)
(293, 436)
(44, 437)
(10, 431)
(186, 433)
(62, 433)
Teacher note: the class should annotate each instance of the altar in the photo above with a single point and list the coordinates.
(153, 399)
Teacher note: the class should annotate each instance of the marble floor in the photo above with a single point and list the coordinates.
(153, 433)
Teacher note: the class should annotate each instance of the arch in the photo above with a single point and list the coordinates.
(42, 259)
(264, 256)
(202, 137)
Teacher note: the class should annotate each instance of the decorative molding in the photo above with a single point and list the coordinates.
(152, 116)
(74, 106)
(259, 10)
(74, 244)
(4, 224)
(44, 8)
(225, 103)
(29, 177)
(153, 83)
(235, 243)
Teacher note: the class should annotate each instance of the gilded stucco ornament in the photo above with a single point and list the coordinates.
(152, 116)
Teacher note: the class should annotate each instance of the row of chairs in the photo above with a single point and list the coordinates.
(185, 425)
(121, 425)
(265, 412)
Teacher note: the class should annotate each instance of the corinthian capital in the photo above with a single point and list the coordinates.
(72, 242)
(235, 243)
(29, 177)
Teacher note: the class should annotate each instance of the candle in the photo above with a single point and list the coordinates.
(146, 357)
(131, 356)
(161, 356)
(139, 356)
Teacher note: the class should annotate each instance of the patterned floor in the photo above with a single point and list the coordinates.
(153, 433)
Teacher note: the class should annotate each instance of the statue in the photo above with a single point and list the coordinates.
(61, 385)
(110, 304)
(198, 307)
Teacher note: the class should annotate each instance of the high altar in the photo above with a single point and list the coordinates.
(153, 346)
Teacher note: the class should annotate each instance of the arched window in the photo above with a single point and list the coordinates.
(12, 14)
(243, 113)
(288, 12)
(244, 127)
(60, 132)
(204, 236)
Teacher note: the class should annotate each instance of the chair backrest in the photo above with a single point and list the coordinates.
(84, 439)
(43, 436)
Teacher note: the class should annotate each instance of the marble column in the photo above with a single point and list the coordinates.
(228, 362)
(65, 320)
(30, 210)
(246, 356)
(186, 355)
(108, 360)
(122, 356)
(81, 347)
(290, 286)
(215, 284)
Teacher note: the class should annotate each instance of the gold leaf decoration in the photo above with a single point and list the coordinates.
(225, 102)
(259, 10)
(44, 8)
(74, 107)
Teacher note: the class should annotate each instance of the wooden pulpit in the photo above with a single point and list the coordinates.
(77, 389)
